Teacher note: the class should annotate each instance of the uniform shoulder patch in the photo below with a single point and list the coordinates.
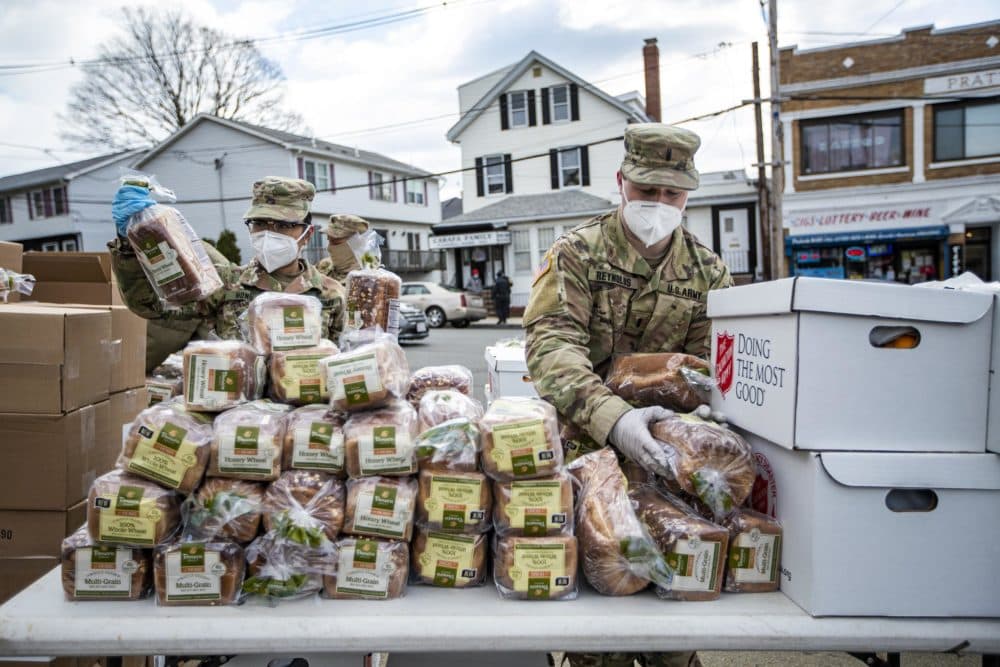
(544, 267)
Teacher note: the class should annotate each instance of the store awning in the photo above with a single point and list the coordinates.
(873, 236)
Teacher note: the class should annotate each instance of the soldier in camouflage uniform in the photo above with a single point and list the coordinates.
(341, 260)
(279, 205)
(602, 290)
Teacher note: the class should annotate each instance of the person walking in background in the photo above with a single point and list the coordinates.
(501, 297)
(475, 283)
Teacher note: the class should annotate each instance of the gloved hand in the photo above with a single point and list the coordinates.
(129, 200)
(706, 412)
(631, 436)
(343, 226)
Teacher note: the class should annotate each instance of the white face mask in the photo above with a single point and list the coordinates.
(651, 222)
(275, 250)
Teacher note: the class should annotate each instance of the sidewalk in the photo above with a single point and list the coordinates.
(491, 323)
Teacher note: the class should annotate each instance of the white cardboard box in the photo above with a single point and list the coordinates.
(507, 373)
(993, 429)
(886, 534)
(796, 364)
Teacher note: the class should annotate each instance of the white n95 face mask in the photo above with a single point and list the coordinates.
(274, 250)
(651, 222)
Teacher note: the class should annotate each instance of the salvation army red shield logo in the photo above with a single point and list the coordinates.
(724, 361)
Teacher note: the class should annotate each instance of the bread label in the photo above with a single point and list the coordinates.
(158, 393)
(163, 455)
(211, 381)
(534, 505)
(539, 570)
(353, 379)
(303, 378)
(318, 446)
(385, 449)
(246, 450)
(127, 517)
(521, 448)
(160, 261)
(364, 569)
(392, 325)
(695, 563)
(379, 513)
(753, 558)
(454, 502)
(449, 558)
(103, 571)
(194, 573)
(290, 328)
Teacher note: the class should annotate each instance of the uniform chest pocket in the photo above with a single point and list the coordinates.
(667, 327)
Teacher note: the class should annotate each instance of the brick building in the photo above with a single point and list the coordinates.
(892, 155)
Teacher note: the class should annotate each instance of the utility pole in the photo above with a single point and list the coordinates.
(777, 147)
(763, 198)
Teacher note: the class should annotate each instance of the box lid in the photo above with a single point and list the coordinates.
(73, 267)
(907, 470)
(501, 358)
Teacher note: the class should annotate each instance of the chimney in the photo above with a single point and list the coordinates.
(651, 63)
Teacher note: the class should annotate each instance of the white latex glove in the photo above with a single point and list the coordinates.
(631, 436)
(706, 412)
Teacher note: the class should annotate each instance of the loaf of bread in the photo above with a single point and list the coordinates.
(160, 389)
(168, 445)
(314, 440)
(368, 569)
(452, 446)
(131, 511)
(305, 501)
(694, 547)
(92, 571)
(673, 380)
(221, 374)
(297, 377)
(281, 570)
(449, 561)
(754, 552)
(520, 439)
(198, 573)
(707, 460)
(534, 507)
(368, 376)
(170, 368)
(437, 378)
(171, 256)
(279, 321)
(381, 441)
(454, 502)
(373, 300)
(225, 509)
(439, 406)
(381, 507)
(619, 557)
(535, 568)
(248, 440)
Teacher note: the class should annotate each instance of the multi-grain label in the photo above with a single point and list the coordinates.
(695, 564)
(385, 449)
(539, 570)
(521, 448)
(160, 261)
(535, 506)
(318, 446)
(194, 573)
(290, 328)
(380, 512)
(211, 381)
(363, 569)
(163, 454)
(449, 559)
(454, 502)
(246, 450)
(127, 517)
(354, 379)
(103, 571)
(753, 558)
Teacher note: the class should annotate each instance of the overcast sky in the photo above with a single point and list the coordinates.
(349, 86)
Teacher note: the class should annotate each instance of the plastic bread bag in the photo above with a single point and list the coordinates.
(12, 282)
(127, 510)
(673, 380)
(381, 441)
(535, 568)
(161, 389)
(281, 569)
(171, 368)
(454, 502)
(754, 552)
(520, 439)
(169, 250)
(248, 440)
(224, 509)
(368, 374)
(221, 374)
(169, 445)
(278, 322)
(619, 557)
(439, 406)
(447, 560)
(297, 377)
(381, 507)
(368, 569)
(706, 460)
(534, 507)
(372, 291)
(305, 503)
(192, 573)
(314, 440)
(694, 547)
(94, 571)
(431, 378)
(452, 446)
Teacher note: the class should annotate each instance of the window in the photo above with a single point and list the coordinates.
(967, 130)
(50, 246)
(496, 181)
(6, 215)
(317, 173)
(522, 250)
(849, 143)
(69, 246)
(412, 241)
(546, 237)
(569, 167)
(415, 191)
(517, 107)
(415, 289)
(559, 98)
(47, 203)
(381, 187)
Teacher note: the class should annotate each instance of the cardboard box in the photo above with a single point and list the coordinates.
(16, 574)
(802, 363)
(38, 533)
(507, 373)
(10, 258)
(73, 277)
(993, 429)
(885, 533)
(53, 360)
(125, 405)
(49, 462)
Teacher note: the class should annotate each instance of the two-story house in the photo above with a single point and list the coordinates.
(892, 156)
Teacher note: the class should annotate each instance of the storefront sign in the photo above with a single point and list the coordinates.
(961, 82)
(956, 255)
(855, 253)
(868, 236)
(470, 240)
(837, 221)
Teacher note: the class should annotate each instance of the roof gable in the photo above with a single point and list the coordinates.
(62, 172)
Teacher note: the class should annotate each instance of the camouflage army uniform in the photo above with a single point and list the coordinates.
(341, 259)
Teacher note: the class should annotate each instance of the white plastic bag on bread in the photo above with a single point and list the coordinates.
(454, 502)
(447, 560)
(221, 374)
(196, 573)
(452, 446)
(298, 377)
(305, 504)
(169, 445)
(278, 322)
(381, 441)
(381, 507)
(368, 569)
(754, 552)
(281, 569)
(248, 441)
(370, 370)
(520, 439)
(95, 571)
(372, 291)
(535, 568)
(672, 380)
(131, 511)
(439, 406)
(314, 440)
(534, 507)
(12, 282)
(224, 509)
(437, 378)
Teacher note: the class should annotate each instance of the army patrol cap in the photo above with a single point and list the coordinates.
(277, 198)
(343, 225)
(660, 155)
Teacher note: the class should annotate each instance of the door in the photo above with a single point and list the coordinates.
(978, 251)
(734, 238)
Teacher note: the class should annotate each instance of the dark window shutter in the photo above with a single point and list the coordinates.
(425, 193)
(47, 196)
(508, 173)
(395, 190)
(31, 212)
(585, 165)
(371, 187)
(554, 168)
(574, 102)
(546, 119)
(532, 115)
(504, 123)
(333, 182)
(480, 190)
(302, 168)
(403, 182)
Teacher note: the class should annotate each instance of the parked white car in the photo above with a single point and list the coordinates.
(444, 304)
